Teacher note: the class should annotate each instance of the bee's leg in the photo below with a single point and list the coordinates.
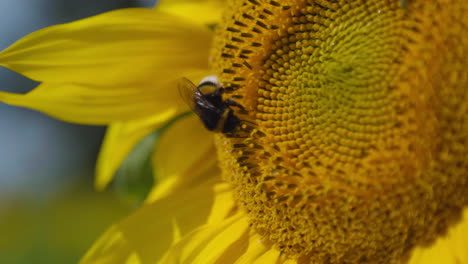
(219, 91)
(231, 102)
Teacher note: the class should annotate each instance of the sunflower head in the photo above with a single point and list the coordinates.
(354, 143)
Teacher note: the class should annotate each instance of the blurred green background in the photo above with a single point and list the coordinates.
(49, 211)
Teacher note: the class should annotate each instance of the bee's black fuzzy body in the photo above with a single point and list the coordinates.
(207, 102)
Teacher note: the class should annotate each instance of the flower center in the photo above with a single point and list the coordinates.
(354, 143)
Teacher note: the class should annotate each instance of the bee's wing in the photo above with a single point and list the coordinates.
(187, 91)
(191, 95)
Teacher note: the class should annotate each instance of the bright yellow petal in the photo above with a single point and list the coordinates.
(148, 233)
(113, 67)
(289, 261)
(271, 256)
(215, 247)
(223, 203)
(133, 45)
(120, 138)
(451, 249)
(255, 250)
(208, 243)
(259, 252)
(200, 11)
(86, 104)
(184, 152)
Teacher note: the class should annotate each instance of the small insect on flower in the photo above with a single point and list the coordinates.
(207, 102)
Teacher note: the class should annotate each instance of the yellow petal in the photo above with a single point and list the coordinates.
(133, 45)
(451, 249)
(120, 138)
(270, 256)
(260, 252)
(113, 67)
(96, 105)
(289, 261)
(183, 154)
(200, 11)
(208, 243)
(223, 203)
(149, 232)
(255, 250)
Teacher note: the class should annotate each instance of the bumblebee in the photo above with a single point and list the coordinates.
(207, 102)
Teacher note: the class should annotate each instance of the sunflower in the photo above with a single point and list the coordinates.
(351, 149)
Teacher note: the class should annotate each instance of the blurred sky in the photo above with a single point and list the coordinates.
(49, 212)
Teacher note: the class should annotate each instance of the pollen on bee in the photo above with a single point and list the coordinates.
(207, 89)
